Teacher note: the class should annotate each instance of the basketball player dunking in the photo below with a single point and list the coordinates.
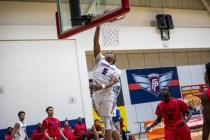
(173, 111)
(105, 75)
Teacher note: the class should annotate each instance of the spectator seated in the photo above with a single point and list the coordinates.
(80, 130)
(97, 131)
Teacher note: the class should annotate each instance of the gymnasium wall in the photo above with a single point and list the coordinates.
(155, 58)
(29, 28)
(38, 74)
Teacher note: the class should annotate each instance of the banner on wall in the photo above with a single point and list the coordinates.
(145, 84)
(191, 95)
(157, 132)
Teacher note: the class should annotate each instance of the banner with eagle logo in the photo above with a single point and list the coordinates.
(145, 84)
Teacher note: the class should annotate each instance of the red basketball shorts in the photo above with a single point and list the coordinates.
(180, 132)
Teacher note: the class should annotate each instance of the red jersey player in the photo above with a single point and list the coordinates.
(205, 100)
(173, 111)
(38, 134)
(80, 129)
(8, 136)
(97, 130)
(68, 132)
(51, 126)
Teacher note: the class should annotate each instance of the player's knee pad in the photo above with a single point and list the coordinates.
(107, 122)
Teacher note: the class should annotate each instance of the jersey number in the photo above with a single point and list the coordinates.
(170, 116)
(104, 71)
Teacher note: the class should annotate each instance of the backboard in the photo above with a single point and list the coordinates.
(75, 16)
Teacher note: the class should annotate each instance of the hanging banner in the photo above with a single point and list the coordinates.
(145, 84)
(191, 95)
(193, 90)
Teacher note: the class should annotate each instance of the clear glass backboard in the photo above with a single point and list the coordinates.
(75, 16)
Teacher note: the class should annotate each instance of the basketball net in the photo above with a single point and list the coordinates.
(110, 32)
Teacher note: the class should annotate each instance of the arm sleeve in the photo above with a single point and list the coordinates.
(182, 106)
(158, 111)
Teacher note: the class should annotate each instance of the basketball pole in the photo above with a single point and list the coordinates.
(75, 11)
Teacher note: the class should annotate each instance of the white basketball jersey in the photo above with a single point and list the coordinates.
(20, 134)
(103, 71)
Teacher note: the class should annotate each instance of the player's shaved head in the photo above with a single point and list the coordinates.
(166, 89)
(166, 92)
(79, 120)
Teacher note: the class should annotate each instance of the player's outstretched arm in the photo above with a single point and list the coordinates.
(96, 48)
(156, 122)
(189, 115)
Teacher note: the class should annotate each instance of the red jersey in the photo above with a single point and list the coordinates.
(97, 127)
(53, 127)
(173, 112)
(80, 129)
(38, 135)
(67, 131)
(121, 125)
(207, 92)
(8, 137)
